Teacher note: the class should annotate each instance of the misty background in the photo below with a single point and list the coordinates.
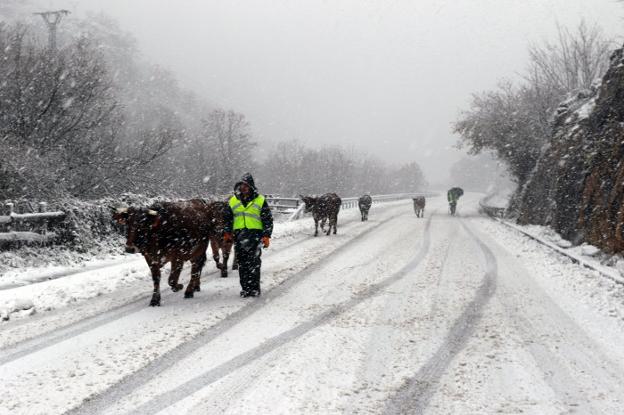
(388, 77)
(382, 79)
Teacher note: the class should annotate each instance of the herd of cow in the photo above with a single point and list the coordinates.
(177, 232)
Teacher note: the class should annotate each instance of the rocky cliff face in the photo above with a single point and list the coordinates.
(601, 214)
(577, 186)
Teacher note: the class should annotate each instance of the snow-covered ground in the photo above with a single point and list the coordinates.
(396, 315)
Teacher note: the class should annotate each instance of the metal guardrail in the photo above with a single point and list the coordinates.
(495, 213)
(284, 204)
(28, 227)
(352, 202)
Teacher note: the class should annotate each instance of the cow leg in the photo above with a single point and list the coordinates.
(224, 267)
(315, 227)
(335, 223)
(193, 285)
(174, 276)
(214, 246)
(155, 269)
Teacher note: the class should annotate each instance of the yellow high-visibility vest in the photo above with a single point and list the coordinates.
(247, 217)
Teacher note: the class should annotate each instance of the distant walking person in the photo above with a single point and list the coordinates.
(453, 196)
(251, 221)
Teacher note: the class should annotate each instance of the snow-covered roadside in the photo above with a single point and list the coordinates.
(596, 303)
(589, 256)
(30, 275)
(49, 295)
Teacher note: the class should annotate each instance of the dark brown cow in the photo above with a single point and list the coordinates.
(323, 208)
(364, 203)
(221, 248)
(170, 232)
(419, 206)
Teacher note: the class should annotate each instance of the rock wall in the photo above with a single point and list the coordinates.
(601, 216)
(577, 186)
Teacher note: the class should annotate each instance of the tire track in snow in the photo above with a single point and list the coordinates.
(227, 394)
(575, 355)
(414, 395)
(372, 351)
(175, 395)
(61, 334)
(99, 402)
(49, 339)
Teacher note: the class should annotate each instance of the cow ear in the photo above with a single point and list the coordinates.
(120, 215)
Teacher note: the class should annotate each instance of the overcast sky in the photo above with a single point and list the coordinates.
(385, 76)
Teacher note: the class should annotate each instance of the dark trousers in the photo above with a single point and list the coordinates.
(248, 253)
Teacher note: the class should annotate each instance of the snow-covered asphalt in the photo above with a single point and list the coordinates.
(397, 315)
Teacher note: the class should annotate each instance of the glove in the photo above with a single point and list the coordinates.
(227, 237)
(266, 241)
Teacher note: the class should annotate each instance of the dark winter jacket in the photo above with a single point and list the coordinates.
(454, 194)
(265, 212)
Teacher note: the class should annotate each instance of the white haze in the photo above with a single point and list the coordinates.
(384, 77)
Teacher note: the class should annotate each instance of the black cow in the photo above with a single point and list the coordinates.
(419, 206)
(323, 208)
(170, 232)
(364, 203)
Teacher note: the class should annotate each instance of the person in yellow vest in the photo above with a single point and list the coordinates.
(249, 223)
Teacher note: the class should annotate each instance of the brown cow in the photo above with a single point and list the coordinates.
(323, 208)
(170, 232)
(221, 248)
(419, 206)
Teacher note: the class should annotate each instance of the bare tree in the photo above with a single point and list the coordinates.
(228, 149)
(515, 122)
(291, 169)
(575, 61)
(59, 113)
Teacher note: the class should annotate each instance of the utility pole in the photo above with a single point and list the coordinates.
(52, 20)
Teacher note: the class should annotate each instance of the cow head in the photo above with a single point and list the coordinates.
(309, 202)
(140, 223)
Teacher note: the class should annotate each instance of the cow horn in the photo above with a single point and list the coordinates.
(152, 212)
(122, 210)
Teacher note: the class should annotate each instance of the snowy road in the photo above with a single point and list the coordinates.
(441, 315)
